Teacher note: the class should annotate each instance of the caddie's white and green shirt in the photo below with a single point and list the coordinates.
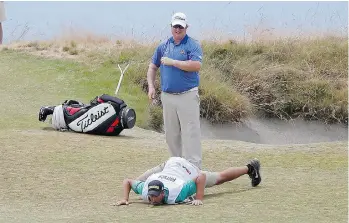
(178, 178)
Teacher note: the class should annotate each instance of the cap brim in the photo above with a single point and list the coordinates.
(179, 22)
(154, 193)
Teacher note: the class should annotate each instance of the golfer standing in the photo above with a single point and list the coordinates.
(179, 59)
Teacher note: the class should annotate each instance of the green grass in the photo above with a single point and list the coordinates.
(41, 82)
(45, 178)
(51, 176)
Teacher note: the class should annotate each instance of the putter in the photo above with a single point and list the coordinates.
(122, 75)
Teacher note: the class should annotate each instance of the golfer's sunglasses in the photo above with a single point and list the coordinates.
(178, 26)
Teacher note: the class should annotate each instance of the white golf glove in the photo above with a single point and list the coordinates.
(167, 61)
(196, 202)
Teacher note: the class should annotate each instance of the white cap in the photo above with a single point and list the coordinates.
(179, 18)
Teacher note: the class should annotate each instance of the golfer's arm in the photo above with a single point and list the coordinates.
(151, 75)
(188, 65)
(200, 186)
(126, 188)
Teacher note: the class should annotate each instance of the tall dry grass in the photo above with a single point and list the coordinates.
(287, 78)
(284, 78)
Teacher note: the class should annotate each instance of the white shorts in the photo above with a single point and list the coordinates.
(211, 178)
(2, 12)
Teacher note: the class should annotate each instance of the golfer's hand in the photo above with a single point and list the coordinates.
(196, 202)
(122, 202)
(151, 93)
(167, 61)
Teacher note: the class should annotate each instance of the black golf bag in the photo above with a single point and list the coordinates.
(105, 115)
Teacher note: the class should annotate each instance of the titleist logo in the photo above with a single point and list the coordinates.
(89, 119)
(179, 18)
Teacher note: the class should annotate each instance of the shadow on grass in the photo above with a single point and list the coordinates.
(219, 194)
(50, 129)
(139, 200)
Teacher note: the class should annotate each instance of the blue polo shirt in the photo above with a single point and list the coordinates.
(173, 79)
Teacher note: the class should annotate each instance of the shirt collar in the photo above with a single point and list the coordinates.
(183, 41)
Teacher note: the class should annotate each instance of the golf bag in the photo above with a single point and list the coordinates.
(105, 115)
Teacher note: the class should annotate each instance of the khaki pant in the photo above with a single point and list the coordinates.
(2, 12)
(181, 114)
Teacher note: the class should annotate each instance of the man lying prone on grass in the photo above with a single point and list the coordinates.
(176, 180)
